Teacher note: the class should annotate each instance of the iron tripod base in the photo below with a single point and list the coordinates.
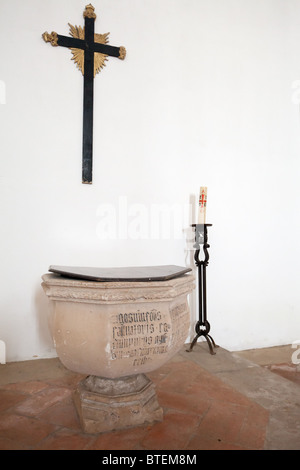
(201, 332)
(202, 327)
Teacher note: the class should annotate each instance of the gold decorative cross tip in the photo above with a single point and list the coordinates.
(52, 38)
(122, 53)
(89, 12)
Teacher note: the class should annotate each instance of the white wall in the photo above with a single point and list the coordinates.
(207, 95)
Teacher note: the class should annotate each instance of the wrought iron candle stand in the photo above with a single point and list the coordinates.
(202, 327)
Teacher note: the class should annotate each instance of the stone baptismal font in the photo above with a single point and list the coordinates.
(114, 325)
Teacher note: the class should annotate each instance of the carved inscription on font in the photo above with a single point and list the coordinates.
(142, 335)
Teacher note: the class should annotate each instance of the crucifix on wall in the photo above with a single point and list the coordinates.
(89, 51)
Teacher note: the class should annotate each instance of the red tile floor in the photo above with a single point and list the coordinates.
(200, 412)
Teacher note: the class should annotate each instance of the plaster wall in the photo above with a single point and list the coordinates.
(208, 95)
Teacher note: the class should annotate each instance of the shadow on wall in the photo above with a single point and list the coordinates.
(189, 262)
(44, 308)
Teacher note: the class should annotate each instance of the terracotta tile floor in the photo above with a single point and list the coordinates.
(200, 412)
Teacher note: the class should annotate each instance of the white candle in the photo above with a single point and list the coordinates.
(202, 205)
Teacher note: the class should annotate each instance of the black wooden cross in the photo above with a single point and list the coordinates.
(89, 46)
